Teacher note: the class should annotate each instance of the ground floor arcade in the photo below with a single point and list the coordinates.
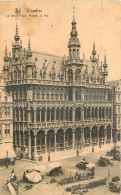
(33, 143)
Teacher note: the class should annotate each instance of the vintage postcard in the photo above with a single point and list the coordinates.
(60, 97)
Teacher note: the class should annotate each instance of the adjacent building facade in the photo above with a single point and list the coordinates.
(6, 124)
(59, 103)
(116, 88)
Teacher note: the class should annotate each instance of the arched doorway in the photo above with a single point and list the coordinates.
(87, 136)
(94, 135)
(40, 141)
(78, 136)
(60, 139)
(108, 129)
(70, 75)
(101, 135)
(50, 140)
(69, 138)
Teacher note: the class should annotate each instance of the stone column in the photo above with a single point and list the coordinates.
(35, 148)
(105, 135)
(35, 116)
(64, 139)
(15, 138)
(74, 94)
(90, 136)
(82, 114)
(19, 138)
(73, 114)
(29, 145)
(73, 139)
(82, 136)
(45, 142)
(55, 115)
(64, 117)
(97, 114)
(45, 115)
(23, 139)
(23, 114)
(55, 141)
(50, 115)
(40, 115)
(111, 134)
(29, 116)
(98, 136)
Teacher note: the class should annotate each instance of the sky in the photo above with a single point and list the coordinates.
(49, 28)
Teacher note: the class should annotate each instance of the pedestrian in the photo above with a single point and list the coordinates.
(6, 163)
(77, 152)
(92, 148)
(48, 157)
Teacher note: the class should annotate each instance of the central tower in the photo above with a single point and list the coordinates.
(74, 43)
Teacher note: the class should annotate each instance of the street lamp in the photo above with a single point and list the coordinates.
(6, 159)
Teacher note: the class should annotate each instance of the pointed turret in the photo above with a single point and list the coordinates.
(74, 43)
(94, 59)
(17, 37)
(5, 68)
(6, 52)
(29, 51)
(29, 64)
(105, 71)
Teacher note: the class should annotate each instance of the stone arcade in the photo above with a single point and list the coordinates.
(59, 103)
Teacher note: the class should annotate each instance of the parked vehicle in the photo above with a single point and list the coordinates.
(55, 169)
(104, 162)
(114, 185)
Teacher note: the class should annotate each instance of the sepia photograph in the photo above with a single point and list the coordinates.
(60, 97)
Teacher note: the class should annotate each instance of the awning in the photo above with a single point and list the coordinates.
(7, 151)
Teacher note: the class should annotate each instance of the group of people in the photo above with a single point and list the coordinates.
(12, 183)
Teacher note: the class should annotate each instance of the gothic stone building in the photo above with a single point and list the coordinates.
(59, 103)
(116, 88)
(6, 124)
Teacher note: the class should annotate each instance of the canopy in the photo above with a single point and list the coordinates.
(7, 151)
(34, 177)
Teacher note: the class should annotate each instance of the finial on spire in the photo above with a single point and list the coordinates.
(17, 30)
(6, 53)
(94, 46)
(29, 43)
(73, 13)
(105, 61)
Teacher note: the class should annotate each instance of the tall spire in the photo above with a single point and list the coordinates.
(17, 37)
(17, 34)
(74, 43)
(29, 44)
(94, 59)
(6, 52)
(73, 13)
(29, 51)
(105, 71)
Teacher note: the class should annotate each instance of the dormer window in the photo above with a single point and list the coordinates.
(5, 98)
(53, 76)
(44, 76)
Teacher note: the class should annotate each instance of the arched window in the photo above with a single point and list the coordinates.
(70, 75)
(53, 76)
(15, 75)
(44, 75)
(38, 94)
(19, 74)
(77, 75)
(78, 114)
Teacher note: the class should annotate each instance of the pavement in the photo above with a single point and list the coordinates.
(68, 160)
